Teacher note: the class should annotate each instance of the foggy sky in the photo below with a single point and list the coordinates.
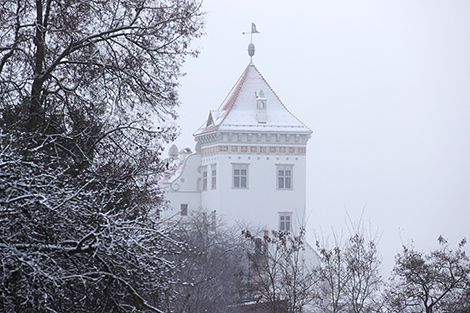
(385, 87)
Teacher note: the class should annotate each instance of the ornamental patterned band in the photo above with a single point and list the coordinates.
(228, 149)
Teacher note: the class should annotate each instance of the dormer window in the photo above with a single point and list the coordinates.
(210, 120)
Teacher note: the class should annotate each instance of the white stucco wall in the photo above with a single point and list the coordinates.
(183, 187)
(259, 204)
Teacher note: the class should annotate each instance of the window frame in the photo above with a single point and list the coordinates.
(240, 167)
(281, 180)
(213, 176)
(285, 217)
(204, 178)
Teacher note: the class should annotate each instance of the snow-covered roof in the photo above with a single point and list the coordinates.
(238, 111)
(175, 168)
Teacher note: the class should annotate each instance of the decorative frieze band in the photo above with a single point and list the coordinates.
(260, 138)
(232, 149)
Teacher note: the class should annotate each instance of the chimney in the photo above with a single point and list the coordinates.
(261, 107)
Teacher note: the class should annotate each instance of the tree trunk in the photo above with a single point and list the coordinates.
(35, 104)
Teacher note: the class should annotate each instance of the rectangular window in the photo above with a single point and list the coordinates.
(240, 176)
(213, 176)
(204, 177)
(284, 176)
(285, 221)
(184, 209)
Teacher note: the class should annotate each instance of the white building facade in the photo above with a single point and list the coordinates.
(250, 161)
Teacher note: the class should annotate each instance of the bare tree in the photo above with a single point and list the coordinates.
(333, 275)
(83, 87)
(282, 274)
(214, 264)
(433, 282)
(98, 57)
(364, 283)
(349, 275)
(78, 243)
(458, 301)
(298, 274)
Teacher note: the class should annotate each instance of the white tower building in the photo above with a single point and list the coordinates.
(250, 161)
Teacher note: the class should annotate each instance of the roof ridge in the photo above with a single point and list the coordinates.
(234, 96)
(234, 91)
(237, 86)
(266, 82)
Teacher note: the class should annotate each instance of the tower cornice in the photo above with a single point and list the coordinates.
(254, 138)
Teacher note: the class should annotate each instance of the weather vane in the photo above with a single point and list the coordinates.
(251, 46)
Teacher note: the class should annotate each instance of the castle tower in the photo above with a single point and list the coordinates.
(250, 160)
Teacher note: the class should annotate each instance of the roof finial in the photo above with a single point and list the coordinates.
(251, 46)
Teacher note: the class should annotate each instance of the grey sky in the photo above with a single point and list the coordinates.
(384, 85)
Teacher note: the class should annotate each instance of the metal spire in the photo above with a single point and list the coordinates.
(251, 46)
